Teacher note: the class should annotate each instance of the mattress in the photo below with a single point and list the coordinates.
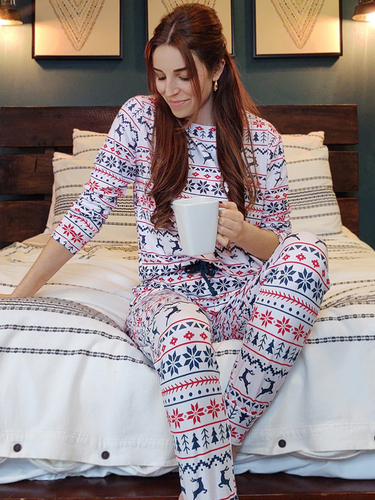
(71, 405)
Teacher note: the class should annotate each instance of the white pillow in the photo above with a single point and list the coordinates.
(71, 172)
(297, 143)
(313, 202)
(86, 143)
(314, 206)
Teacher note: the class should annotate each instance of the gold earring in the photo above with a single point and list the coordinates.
(216, 85)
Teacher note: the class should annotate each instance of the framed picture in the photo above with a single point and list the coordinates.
(156, 9)
(77, 30)
(292, 28)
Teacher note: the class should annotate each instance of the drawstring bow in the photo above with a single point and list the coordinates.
(206, 269)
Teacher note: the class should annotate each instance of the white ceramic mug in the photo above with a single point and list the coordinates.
(197, 220)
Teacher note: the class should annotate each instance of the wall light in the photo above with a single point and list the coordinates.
(9, 16)
(365, 11)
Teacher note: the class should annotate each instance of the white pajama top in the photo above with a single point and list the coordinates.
(126, 158)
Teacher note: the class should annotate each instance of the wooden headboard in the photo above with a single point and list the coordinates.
(30, 135)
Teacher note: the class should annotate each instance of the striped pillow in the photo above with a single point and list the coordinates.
(72, 171)
(314, 206)
(313, 202)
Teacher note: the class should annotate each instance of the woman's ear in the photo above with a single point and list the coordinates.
(218, 70)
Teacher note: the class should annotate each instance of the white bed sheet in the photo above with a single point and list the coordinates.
(321, 423)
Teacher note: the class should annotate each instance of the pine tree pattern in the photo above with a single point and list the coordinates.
(178, 340)
(285, 302)
(174, 317)
(126, 158)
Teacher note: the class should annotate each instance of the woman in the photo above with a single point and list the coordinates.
(199, 135)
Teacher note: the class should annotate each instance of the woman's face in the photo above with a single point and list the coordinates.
(177, 89)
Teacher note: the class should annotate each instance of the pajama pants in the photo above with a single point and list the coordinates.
(273, 314)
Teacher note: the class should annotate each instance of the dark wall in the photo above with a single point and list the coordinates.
(346, 79)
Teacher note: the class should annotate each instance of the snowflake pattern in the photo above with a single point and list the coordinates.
(283, 325)
(173, 363)
(286, 275)
(193, 357)
(305, 279)
(126, 158)
(260, 304)
(273, 333)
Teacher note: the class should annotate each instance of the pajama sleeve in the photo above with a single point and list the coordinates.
(114, 168)
(276, 210)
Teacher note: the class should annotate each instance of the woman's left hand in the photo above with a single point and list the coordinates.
(230, 224)
(232, 227)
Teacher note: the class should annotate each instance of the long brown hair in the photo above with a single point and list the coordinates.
(195, 28)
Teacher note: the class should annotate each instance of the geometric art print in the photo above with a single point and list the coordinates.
(299, 17)
(77, 18)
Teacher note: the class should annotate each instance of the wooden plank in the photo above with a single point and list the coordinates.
(32, 174)
(339, 121)
(344, 169)
(350, 213)
(22, 219)
(51, 126)
(250, 487)
(26, 174)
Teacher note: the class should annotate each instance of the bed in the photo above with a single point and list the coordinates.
(74, 386)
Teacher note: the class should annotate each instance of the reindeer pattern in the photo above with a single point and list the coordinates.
(200, 487)
(174, 317)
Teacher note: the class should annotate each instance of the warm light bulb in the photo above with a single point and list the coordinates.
(371, 18)
(9, 23)
(9, 17)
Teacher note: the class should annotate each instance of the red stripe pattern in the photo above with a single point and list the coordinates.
(175, 317)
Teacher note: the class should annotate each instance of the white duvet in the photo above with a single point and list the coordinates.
(78, 398)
